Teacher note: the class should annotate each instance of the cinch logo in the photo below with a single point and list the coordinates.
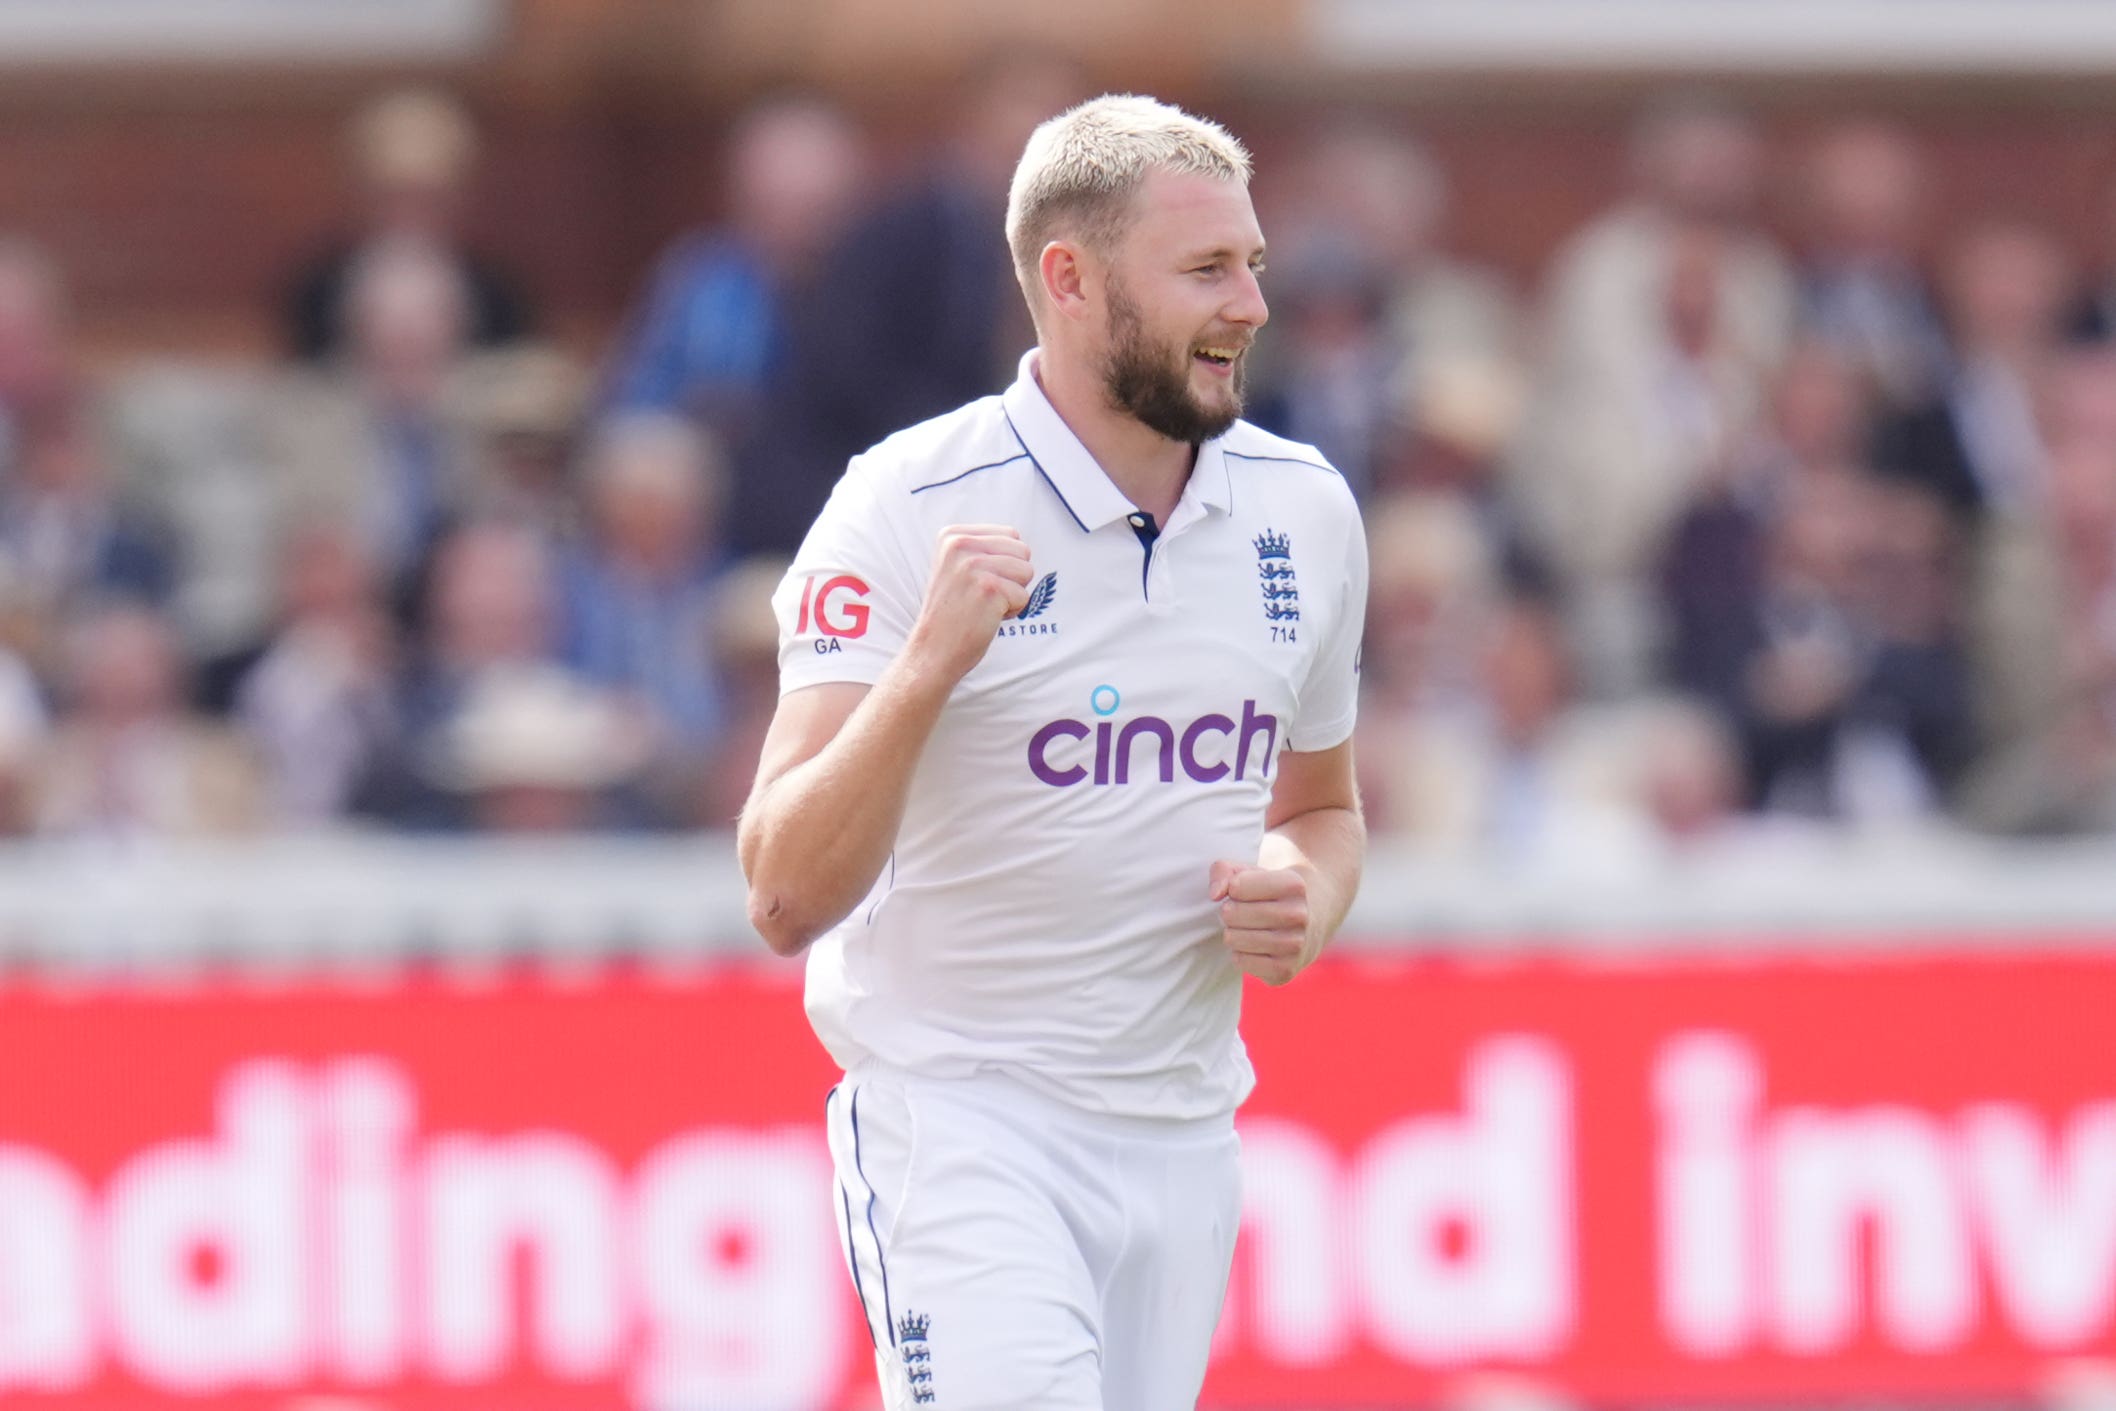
(834, 618)
(1060, 756)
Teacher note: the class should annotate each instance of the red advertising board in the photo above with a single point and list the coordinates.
(1641, 1180)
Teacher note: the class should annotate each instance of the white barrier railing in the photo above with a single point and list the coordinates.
(354, 899)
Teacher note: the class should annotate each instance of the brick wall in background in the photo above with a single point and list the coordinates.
(179, 197)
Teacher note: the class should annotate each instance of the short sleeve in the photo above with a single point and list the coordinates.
(846, 606)
(1329, 696)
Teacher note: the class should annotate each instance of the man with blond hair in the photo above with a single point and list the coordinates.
(1062, 752)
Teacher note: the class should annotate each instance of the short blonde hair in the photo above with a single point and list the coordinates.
(1080, 169)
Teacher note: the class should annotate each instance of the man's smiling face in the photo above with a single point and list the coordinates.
(1183, 305)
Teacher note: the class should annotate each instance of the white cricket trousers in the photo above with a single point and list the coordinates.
(1013, 1253)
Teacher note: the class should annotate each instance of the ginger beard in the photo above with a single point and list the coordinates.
(1151, 382)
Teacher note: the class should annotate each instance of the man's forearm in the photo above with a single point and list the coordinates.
(831, 791)
(1328, 847)
(815, 838)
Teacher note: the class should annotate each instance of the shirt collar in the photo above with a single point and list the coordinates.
(1075, 476)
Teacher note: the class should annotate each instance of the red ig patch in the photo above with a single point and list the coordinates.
(835, 606)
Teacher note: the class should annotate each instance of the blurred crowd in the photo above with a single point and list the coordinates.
(1774, 508)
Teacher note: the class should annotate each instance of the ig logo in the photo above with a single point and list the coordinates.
(836, 609)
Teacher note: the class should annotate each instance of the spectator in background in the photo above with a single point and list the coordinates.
(1977, 445)
(1663, 323)
(1689, 776)
(411, 154)
(636, 590)
(1369, 307)
(1459, 685)
(36, 355)
(1821, 412)
(712, 326)
(523, 409)
(1983, 448)
(128, 759)
(1384, 195)
(537, 750)
(66, 525)
(1433, 586)
(188, 441)
(490, 606)
(1713, 569)
(318, 703)
(915, 311)
(1518, 769)
(1863, 286)
(2046, 631)
(1462, 414)
(65, 535)
(1830, 637)
(1334, 380)
(374, 440)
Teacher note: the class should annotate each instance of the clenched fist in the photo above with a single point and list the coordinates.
(1264, 916)
(980, 578)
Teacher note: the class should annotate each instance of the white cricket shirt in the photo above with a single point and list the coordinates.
(1046, 909)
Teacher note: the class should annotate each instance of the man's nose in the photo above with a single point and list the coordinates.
(1248, 307)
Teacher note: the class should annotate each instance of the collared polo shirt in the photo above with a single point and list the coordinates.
(1046, 910)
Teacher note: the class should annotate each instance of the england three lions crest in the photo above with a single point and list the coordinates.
(917, 1352)
(1275, 578)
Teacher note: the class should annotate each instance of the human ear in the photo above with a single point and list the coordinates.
(1064, 277)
